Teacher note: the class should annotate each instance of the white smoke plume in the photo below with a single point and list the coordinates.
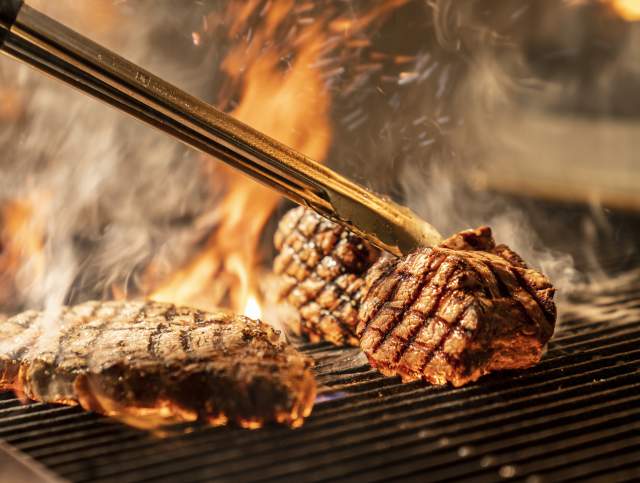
(107, 190)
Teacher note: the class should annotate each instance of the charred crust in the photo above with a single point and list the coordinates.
(215, 366)
(452, 321)
(321, 268)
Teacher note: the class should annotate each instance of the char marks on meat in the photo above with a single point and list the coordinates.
(455, 312)
(152, 363)
(321, 267)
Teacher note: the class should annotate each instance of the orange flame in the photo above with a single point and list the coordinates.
(627, 9)
(283, 93)
(284, 58)
(22, 260)
(291, 105)
(11, 104)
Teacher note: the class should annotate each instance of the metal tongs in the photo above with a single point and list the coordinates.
(35, 39)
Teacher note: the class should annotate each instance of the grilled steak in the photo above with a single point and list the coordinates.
(154, 363)
(322, 269)
(455, 312)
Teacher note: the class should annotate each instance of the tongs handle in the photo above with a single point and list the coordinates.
(34, 38)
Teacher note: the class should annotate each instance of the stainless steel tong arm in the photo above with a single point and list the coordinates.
(33, 38)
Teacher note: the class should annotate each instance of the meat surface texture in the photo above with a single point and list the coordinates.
(321, 267)
(151, 363)
(455, 312)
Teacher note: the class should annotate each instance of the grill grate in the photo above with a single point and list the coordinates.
(575, 416)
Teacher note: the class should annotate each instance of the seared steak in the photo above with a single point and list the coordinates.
(322, 269)
(455, 312)
(154, 363)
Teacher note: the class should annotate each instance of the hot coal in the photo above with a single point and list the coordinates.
(455, 312)
(321, 267)
(154, 363)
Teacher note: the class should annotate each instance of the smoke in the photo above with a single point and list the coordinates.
(445, 105)
(107, 191)
(113, 200)
(535, 115)
(438, 195)
(441, 189)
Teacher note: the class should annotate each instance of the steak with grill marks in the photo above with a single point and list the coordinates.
(321, 267)
(154, 363)
(455, 312)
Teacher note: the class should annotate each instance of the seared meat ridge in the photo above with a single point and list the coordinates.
(157, 363)
(322, 269)
(445, 314)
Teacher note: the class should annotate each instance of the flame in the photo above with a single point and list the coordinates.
(627, 9)
(253, 309)
(11, 104)
(284, 59)
(22, 259)
(284, 93)
(289, 103)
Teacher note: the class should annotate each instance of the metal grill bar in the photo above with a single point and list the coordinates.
(574, 416)
(623, 469)
(392, 452)
(587, 375)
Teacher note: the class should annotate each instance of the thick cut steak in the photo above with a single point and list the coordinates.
(152, 363)
(455, 312)
(321, 267)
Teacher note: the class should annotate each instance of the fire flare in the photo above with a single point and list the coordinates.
(22, 260)
(285, 59)
(627, 9)
(284, 92)
(290, 104)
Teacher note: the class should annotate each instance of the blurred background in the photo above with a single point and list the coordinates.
(520, 114)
